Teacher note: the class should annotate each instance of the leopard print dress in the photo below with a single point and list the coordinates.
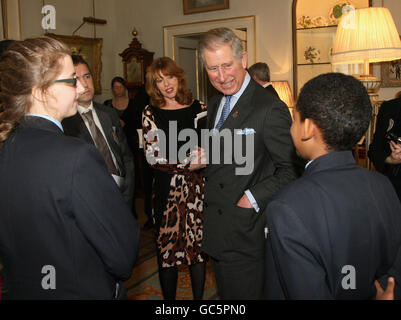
(178, 192)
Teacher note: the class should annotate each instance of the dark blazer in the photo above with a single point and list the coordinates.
(337, 215)
(379, 149)
(270, 89)
(75, 126)
(228, 228)
(61, 208)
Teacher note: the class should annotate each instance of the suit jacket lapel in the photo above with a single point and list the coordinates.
(79, 129)
(106, 124)
(107, 127)
(213, 112)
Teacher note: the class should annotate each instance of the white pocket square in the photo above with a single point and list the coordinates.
(245, 131)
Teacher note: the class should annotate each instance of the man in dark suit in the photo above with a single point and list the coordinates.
(335, 230)
(100, 126)
(384, 153)
(236, 196)
(260, 72)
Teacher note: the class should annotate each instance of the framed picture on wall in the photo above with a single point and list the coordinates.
(196, 6)
(3, 22)
(90, 49)
(134, 72)
(391, 74)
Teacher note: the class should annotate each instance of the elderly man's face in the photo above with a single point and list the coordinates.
(226, 72)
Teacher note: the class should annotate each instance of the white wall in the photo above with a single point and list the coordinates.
(273, 28)
(69, 14)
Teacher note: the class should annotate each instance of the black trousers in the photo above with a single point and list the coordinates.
(241, 279)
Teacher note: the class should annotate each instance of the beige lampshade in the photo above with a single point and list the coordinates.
(366, 35)
(284, 92)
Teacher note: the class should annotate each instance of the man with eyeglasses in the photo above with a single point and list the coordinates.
(100, 126)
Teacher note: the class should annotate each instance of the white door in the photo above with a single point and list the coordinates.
(187, 57)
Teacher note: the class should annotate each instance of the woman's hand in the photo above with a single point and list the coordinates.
(395, 156)
(199, 159)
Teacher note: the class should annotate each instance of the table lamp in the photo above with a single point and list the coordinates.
(364, 36)
(284, 92)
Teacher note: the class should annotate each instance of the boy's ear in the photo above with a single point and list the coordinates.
(309, 129)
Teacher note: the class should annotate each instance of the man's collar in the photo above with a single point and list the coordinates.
(82, 110)
(247, 79)
(266, 84)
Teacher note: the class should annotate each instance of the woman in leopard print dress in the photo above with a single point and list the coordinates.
(179, 185)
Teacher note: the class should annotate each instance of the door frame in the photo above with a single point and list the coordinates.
(247, 22)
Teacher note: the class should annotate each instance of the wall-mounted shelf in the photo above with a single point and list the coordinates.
(312, 64)
(317, 28)
(315, 41)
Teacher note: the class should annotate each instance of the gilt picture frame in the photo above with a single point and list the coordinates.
(197, 6)
(391, 73)
(90, 49)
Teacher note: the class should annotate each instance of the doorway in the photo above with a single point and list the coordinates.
(181, 44)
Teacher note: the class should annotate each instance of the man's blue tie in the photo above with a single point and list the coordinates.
(224, 113)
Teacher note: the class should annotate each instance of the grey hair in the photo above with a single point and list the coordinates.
(218, 37)
(261, 71)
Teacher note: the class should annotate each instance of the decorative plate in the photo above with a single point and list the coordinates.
(304, 22)
(319, 21)
(337, 11)
(312, 54)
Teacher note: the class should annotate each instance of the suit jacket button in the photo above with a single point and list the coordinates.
(221, 186)
(206, 179)
(220, 212)
(205, 204)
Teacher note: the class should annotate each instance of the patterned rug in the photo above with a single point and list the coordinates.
(144, 283)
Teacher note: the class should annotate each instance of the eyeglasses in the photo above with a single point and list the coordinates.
(73, 81)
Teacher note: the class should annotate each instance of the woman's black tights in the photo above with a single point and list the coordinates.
(169, 276)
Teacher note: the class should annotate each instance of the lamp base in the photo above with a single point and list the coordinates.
(371, 83)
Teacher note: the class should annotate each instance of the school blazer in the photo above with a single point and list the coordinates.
(65, 229)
